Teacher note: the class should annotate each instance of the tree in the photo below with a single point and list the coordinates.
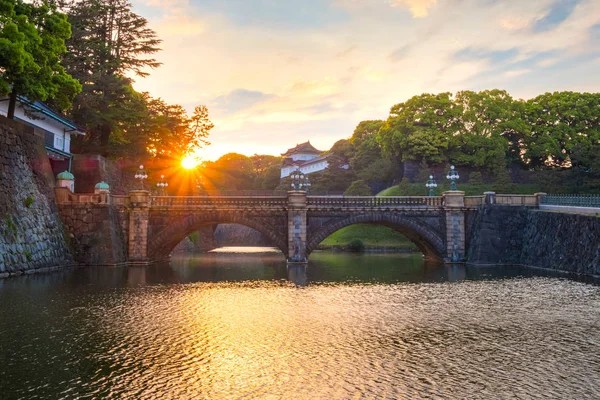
(420, 127)
(32, 38)
(358, 188)
(565, 127)
(109, 43)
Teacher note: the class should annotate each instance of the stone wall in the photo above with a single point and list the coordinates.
(566, 242)
(95, 234)
(497, 235)
(528, 236)
(32, 236)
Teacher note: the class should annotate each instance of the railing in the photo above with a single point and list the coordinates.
(374, 202)
(243, 193)
(474, 201)
(65, 196)
(218, 201)
(119, 200)
(572, 200)
(516, 200)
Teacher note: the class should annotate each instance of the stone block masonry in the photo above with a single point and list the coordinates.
(32, 236)
(536, 238)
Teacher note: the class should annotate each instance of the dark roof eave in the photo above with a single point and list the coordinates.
(52, 115)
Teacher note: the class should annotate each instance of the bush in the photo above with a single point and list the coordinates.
(356, 245)
(475, 178)
(358, 188)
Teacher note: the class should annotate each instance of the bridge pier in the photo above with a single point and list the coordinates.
(138, 225)
(454, 204)
(297, 227)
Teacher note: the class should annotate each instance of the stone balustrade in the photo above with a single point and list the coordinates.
(65, 196)
(387, 202)
(218, 201)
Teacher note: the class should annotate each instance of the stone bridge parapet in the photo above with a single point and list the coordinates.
(151, 226)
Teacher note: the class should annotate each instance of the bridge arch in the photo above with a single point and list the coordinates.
(421, 234)
(163, 239)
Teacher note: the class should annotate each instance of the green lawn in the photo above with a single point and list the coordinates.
(373, 237)
(418, 189)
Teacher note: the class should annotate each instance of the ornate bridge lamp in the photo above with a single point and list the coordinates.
(431, 184)
(452, 176)
(299, 180)
(200, 184)
(307, 184)
(141, 175)
(162, 184)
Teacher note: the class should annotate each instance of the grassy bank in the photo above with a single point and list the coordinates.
(373, 237)
(418, 189)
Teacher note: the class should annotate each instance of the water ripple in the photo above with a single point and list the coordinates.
(529, 338)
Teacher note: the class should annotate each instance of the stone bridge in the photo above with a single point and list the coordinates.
(151, 226)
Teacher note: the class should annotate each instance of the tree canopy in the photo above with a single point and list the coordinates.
(32, 39)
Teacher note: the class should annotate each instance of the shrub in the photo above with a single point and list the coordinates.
(358, 188)
(475, 178)
(28, 201)
(356, 245)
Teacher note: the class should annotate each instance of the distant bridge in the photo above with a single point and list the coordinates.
(151, 226)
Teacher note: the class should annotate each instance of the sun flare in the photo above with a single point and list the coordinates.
(189, 162)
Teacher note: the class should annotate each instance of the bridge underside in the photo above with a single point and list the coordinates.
(424, 230)
(166, 230)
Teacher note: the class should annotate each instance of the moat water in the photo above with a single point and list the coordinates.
(222, 326)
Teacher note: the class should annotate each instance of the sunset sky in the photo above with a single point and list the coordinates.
(274, 73)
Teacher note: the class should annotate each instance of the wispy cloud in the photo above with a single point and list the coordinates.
(419, 8)
(558, 12)
(271, 75)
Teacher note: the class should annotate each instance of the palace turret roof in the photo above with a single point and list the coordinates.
(305, 147)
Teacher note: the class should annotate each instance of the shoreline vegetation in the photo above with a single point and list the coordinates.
(368, 238)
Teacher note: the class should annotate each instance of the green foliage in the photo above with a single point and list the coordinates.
(418, 189)
(565, 129)
(27, 255)
(109, 45)
(420, 127)
(356, 245)
(238, 172)
(28, 201)
(358, 188)
(475, 178)
(372, 236)
(32, 38)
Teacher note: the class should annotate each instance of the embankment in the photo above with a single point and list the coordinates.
(32, 236)
(543, 239)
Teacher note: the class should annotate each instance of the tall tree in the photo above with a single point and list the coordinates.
(565, 126)
(32, 38)
(421, 127)
(110, 42)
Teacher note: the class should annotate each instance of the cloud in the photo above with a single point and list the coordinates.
(558, 13)
(239, 99)
(418, 8)
(516, 72)
(266, 82)
(400, 53)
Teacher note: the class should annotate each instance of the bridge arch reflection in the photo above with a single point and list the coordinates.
(421, 233)
(164, 237)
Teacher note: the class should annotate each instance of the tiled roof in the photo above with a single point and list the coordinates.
(305, 147)
(44, 109)
(301, 163)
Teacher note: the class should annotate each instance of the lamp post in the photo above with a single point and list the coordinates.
(299, 180)
(452, 176)
(431, 184)
(162, 184)
(200, 184)
(141, 175)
